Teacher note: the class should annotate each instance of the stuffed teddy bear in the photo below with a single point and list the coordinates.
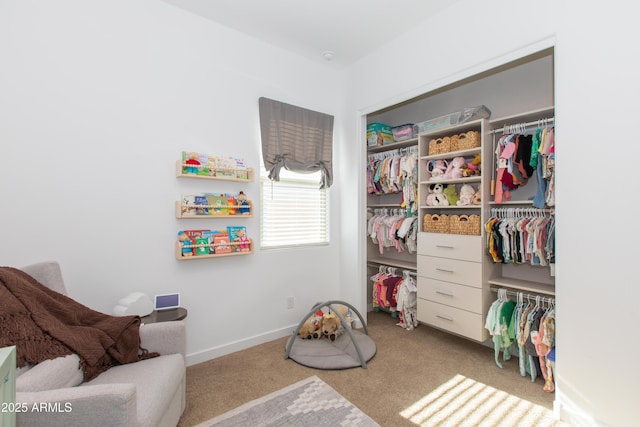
(331, 326)
(466, 195)
(452, 194)
(454, 170)
(437, 168)
(473, 167)
(312, 327)
(477, 198)
(436, 196)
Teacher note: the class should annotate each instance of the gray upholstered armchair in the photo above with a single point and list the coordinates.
(148, 393)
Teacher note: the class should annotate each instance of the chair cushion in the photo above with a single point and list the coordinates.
(51, 374)
(156, 381)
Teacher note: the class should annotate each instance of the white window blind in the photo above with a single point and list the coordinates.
(294, 211)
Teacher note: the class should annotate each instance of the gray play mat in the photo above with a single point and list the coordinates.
(351, 349)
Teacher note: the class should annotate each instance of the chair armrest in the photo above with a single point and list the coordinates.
(165, 337)
(78, 406)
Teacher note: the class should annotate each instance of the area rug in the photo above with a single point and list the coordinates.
(310, 402)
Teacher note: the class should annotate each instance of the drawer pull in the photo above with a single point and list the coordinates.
(450, 319)
(449, 294)
(445, 246)
(448, 270)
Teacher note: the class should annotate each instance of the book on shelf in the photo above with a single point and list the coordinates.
(195, 163)
(188, 205)
(222, 243)
(217, 204)
(209, 236)
(202, 205)
(239, 239)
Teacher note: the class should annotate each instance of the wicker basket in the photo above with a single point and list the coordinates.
(464, 224)
(440, 145)
(435, 223)
(464, 141)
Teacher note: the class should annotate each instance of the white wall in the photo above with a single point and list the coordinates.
(97, 101)
(596, 104)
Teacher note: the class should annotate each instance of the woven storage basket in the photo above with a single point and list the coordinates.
(439, 145)
(435, 223)
(464, 224)
(464, 141)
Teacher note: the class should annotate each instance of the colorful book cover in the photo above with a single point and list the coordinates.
(204, 202)
(231, 203)
(209, 236)
(238, 237)
(188, 202)
(222, 243)
(218, 204)
(202, 246)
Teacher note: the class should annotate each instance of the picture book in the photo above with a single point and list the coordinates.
(209, 236)
(218, 204)
(238, 236)
(231, 203)
(188, 239)
(188, 202)
(201, 200)
(222, 243)
(202, 246)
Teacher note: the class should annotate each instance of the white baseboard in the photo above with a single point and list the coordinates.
(212, 353)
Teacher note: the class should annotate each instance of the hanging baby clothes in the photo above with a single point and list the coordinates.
(406, 299)
(497, 323)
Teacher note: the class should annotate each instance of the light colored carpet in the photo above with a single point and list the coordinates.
(310, 402)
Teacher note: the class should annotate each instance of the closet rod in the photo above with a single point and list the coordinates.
(524, 294)
(408, 270)
(525, 125)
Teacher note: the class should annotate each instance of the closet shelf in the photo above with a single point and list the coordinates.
(452, 154)
(475, 178)
(437, 208)
(523, 285)
(400, 144)
(393, 263)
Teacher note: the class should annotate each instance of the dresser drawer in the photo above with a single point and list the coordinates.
(457, 246)
(461, 322)
(459, 296)
(450, 270)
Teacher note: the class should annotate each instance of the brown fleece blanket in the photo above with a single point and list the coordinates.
(44, 324)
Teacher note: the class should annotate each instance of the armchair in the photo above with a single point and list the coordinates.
(147, 393)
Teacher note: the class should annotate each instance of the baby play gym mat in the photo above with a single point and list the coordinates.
(350, 349)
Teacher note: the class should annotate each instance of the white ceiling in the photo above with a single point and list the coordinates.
(350, 29)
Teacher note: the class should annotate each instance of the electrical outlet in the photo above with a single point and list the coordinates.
(289, 303)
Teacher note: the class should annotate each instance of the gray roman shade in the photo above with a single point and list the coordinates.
(297, 139)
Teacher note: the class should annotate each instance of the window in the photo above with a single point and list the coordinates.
(294, 211)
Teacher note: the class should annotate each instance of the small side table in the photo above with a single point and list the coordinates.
(165, 315)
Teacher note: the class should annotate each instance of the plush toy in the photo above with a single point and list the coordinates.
(452, 195)
(477, 198)
(312, 327)
(346, 314)
(472, 167)
(192, 163)
(245, 209)
(466, 195)
(437, 168)
(331, 326)
(436, 196)
(454, 170)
